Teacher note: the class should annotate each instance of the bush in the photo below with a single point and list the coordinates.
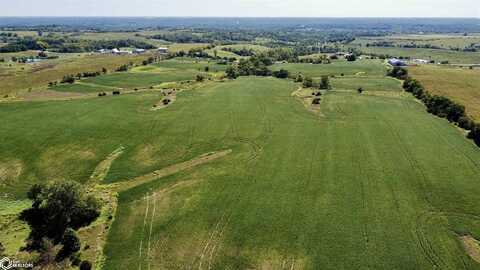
(398, 72)
(307, 82)
(324, 83)
(282, 74)
(116, 92)
(200, 78)
(86, 265)
(466, 123)
(350, 57)
(360, 90)
(316, 101)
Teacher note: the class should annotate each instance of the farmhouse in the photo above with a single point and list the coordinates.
(162, 50)
(396, 62)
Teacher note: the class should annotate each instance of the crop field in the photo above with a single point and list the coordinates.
(360, 68)
(363, 181)
(462, 85)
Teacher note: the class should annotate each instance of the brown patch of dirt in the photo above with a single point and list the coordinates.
(124, 185)
(471, 246)
(10, 171)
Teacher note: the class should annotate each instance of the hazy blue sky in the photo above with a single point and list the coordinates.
(229, 8)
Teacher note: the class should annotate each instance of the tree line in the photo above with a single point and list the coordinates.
(438, 105)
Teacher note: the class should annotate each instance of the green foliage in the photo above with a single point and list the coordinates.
(70, 245)
(85, 265)
(398, 72)
(56, 208)
(324, 83)
(307, 82)
(281, 74)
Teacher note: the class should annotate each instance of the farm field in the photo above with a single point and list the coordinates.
(144, 76)
(453, 57)
(22, 77)
(361, 68)
(462, 85)
(401, 183)
(366, 83)
(446, 41)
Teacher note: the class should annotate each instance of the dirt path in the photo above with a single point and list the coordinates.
(124, 185)
(103, 167)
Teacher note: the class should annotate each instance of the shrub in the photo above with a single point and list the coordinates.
(398, 72)
(282, 74)
(360, 90)
(316, 101)
(324, 83)
(307, 82)
(116, 92)
(86, 265)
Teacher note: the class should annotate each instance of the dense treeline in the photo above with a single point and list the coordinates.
(438, 105)
(67, 45)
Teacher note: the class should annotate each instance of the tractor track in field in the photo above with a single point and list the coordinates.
(147, 198)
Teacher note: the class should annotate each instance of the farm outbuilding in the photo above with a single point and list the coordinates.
(396, 62)
(162, 50)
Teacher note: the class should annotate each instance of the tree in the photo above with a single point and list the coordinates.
(200, 78)
(70, 245)
(282, 74)
(307, 82)
(398, 72)
(231, 72)
(85, 265)
(299, 78)
(2, 249)
(360, 90)
(324, 83)
(56, 207)
(104, 70)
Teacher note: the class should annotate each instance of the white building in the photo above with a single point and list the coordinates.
(162, 50)
(139, 51)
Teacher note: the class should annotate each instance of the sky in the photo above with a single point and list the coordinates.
(243, 8)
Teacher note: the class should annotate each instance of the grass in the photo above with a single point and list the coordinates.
(39, 75)
(462, 85)
(360, 67)
(367, 83)
(370, 182)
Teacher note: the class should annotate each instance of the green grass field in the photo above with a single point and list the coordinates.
(143, 76)
(368, 182)
(360, 67)
(367, 83)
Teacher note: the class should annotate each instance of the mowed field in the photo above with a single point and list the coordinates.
(144, 76)
(462, 85)
(365, 182)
